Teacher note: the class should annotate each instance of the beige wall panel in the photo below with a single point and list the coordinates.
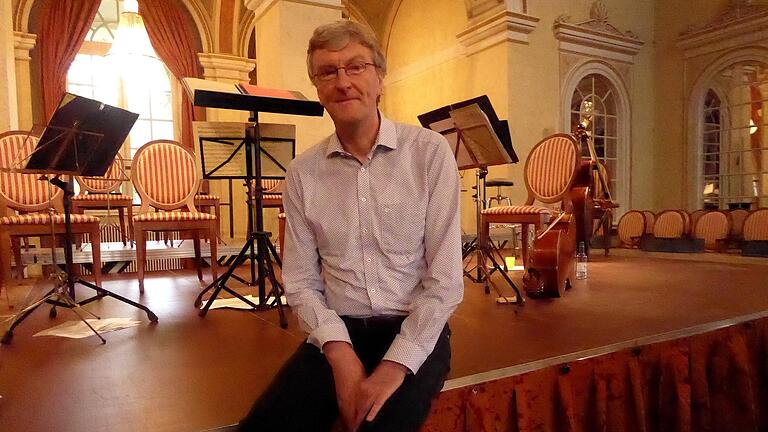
(672, 18)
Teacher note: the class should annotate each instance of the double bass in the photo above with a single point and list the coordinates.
(590, 193)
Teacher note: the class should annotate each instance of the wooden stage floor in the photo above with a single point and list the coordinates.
(188, 373)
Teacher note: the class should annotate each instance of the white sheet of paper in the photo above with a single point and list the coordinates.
(236, 303)
(77, 329)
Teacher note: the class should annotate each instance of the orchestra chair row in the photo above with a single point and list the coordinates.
(166, 180)
(717, 228)
(33, 198)
(549, 172)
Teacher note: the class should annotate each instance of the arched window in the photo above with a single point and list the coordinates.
(95, 75)
(732, 142)
(710, 150)
(597, 90)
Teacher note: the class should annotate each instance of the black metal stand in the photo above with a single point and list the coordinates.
(486, 252)
(67, 298)
(258, 247)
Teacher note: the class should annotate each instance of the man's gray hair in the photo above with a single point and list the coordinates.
(336, 35)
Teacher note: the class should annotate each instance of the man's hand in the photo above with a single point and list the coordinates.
(348, 375)
(378, 388)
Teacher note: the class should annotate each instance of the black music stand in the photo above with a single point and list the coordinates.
(478, 140)
(258, 239)
(82, 138)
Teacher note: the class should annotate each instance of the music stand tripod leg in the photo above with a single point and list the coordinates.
(277, 288)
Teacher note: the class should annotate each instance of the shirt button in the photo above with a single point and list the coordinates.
(373, 290)
(362, 169)
(363, 199)
(368, 259)
(386, 209)
(365, 230)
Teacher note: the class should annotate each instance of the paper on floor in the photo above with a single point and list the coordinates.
(236, 303)
(77, 329)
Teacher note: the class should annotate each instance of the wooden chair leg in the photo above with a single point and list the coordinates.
(214, 249)
(281, 239)
(217, 212)
(524, 246)
(15, 243)
(141, 253)
(198, 258)
(5, 258)
(121, 220)
(130, 222)
(96, 254)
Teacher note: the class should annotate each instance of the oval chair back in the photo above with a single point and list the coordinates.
(669, 224)
(738, 217)
(695, 218)
(631, 228)
(650, 220)
(687, 225)
(551, 168)
(756, 225)
(23, 192)
(713, 228)
(109, 182)
(165, 176)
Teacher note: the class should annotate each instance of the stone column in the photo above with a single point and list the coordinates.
(23, 44)
(9, 118)
(283, 28)
(231, 69)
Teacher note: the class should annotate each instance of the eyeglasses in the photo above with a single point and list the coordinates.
(329, 73)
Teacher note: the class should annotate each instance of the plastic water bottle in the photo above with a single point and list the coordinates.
(581, 262)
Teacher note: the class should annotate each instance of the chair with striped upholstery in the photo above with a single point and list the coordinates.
(756, 234)
(695, 215)
(272, 195)
(669, 224)
(281, 231)
(737, 224)
(549, 173)
(103, 193)
(165, 177)
(687, 223)
(756, 226)
(650, 220)
(28, 195)
(713, 228)
(631, 228)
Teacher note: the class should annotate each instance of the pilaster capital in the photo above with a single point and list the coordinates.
(226, 67)
(503, 26)
(22, 44)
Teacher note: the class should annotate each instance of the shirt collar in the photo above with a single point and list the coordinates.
(386, 137)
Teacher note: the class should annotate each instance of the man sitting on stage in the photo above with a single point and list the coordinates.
(372, 264)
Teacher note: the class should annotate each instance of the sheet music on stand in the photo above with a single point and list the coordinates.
(478, 140)
(477, 137)
(222, 150)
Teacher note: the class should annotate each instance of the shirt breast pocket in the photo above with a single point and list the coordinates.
(402, 228)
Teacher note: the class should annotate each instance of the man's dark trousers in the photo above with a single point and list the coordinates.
(302, 397)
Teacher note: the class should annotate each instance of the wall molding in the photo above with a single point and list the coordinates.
(740, 24)
(596, 37)
(504, 26)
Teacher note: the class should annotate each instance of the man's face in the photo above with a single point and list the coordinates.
(348, 99)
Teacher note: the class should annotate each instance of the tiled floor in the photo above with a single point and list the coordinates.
(188, 373)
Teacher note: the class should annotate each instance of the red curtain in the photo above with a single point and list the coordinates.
(63, 26)
(713, 382)
(171, 36)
